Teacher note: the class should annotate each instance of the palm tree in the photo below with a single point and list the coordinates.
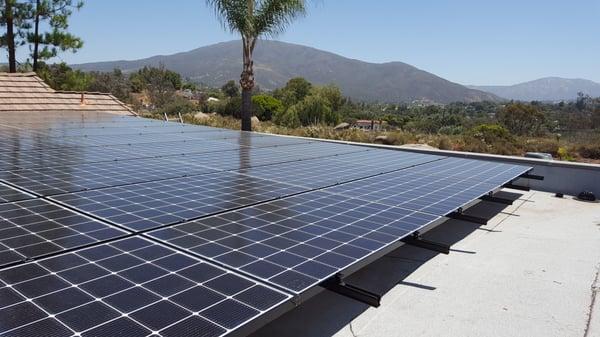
(253, 19)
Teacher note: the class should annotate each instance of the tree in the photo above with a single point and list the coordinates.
(231, 89)
(14, 18)
(266, 106)
(62, 77)
(253, 19)
(57, 13)
(314, 110)
(295, 90)
(522, 119)
(114, 82)
(159, 83)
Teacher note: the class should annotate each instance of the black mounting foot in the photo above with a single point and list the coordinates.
(337, 285)
(468, 218)
(517, 187)
(532, 176)
(417, 241)
(497, 200)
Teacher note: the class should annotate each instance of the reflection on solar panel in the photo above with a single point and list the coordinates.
(73, 178)
(8, 194)
(34, 228)
(128, 288)
(296, 242)
(223, 227)
(458, 183)
(157, 203)
(322, 172)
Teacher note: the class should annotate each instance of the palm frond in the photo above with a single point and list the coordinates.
(233, 15)
(273, 16)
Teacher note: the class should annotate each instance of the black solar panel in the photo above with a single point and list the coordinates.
(322, 172)
(8, 194)
(72, 178)
(296, 242)
(128, 288)
(149, 205)
(272, 212)
(456, 184)
(34, 228)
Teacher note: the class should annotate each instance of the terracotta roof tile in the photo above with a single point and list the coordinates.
(27, 92)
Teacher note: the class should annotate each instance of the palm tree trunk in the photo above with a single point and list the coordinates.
(36, 36)
(247, 84)
(10, 37)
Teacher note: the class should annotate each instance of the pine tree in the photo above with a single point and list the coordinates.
(14, 20)
(56, 13)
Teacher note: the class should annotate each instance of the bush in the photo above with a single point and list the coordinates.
(563, 154)
(491, 133)
(266, 106)
(178, 105)
(314, 110)
(589, 151)
(450, 130)
(288, 118)
(229, 107)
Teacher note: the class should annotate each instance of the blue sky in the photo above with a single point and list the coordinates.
(466, 41)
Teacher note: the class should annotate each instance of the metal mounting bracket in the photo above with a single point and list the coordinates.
(417, 241)
(497, 200)
(337, 285)
(517, 187)
(468, 218)
(532, 176)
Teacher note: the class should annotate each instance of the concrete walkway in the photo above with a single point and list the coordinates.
(531, 271)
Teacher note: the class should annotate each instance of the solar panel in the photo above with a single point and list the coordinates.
(8, 194)
(131, 287)
(296, 242)
(34, 228)
(60, 156)
(474, 170)
(153, 204)
(440, 193)
(72, 178)
(322, 172)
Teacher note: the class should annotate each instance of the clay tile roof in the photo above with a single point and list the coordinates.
(28, 92)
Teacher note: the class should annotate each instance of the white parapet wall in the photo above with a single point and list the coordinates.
(559, 176)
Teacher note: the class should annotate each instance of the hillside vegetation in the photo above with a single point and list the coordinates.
(567, 130)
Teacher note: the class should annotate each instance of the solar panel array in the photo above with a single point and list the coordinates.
(113, 224)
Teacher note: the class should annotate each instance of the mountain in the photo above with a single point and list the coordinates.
(276, 62)
(544, 89)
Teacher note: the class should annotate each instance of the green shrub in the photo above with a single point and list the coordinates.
(563, 154)
(288, 119)
(266, 106)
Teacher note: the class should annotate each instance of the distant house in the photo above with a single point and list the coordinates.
(28, 92)
(370, 125)
(213, 99)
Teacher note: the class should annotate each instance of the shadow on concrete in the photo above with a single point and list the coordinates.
(327, 313)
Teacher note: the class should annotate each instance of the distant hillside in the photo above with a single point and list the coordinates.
(545, 89)
(277, 62)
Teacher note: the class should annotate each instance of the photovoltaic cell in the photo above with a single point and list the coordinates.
(296, 242)
(8, 194)
(132, 288)
(326, 171)
(35, 228)
(79, 177)
(455, 184)
(149, 205)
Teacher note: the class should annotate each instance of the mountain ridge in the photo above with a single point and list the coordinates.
(276, 62)
(550, 88)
